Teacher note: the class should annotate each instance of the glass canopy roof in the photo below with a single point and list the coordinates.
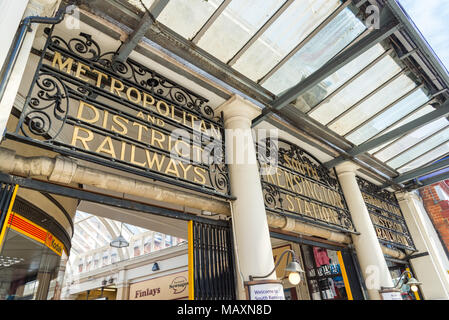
(93, 234)
(279, 43)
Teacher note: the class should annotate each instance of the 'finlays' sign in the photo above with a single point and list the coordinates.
(174, 286)
(84, 103)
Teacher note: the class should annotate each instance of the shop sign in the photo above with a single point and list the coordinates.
(296, 184)
(54, 244)
(174, 286)
(84, 103)
(266, 290)
(391, 294)
(35, 232)
(386, 215)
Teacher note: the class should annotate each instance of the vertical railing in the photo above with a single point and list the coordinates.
(212, 265)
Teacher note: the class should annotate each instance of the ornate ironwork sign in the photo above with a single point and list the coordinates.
(296, 184)
(386, 216)
(84, 103)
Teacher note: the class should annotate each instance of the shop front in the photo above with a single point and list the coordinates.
(33, 249)
(306, 209)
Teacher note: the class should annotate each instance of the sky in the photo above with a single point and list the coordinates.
(432, 19)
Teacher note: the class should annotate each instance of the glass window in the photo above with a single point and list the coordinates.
(96, 261)
(89, 263)
(236, 24)
(147, 244)
(114, 257)
(187, 17)
(320, 49)
(323, 273)
(137, 250)
(168, 240)
(374, 104)
(319, 92)
(419, 149)
(427, 158)
(22, 260)
(158, 243)
(105, 260)
(387, 118)
(374, 77)
(414, 115)
(298, 21)
(411, 139)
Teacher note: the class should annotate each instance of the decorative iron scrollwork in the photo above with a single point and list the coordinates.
(386, 215)
(87, 104)
(295, 183)
(88, 49)
(47, 109)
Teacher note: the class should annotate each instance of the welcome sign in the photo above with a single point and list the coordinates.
(83, 103)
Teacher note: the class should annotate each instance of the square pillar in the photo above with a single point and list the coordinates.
(432, 269)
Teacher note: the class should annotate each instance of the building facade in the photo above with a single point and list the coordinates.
(264, 140)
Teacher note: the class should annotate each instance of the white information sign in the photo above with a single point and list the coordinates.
(391, 295)
(266, 291)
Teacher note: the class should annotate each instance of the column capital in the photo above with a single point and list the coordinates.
(346, 168)
(407, 196)
(41, 7)
(238, 106)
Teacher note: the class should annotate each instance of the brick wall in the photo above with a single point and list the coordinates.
(438, 209)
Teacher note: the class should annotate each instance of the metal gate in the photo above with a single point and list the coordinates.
(211, 263)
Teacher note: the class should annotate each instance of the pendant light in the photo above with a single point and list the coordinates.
(120, 241)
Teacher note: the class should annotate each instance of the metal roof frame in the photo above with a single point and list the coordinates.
(395, 24)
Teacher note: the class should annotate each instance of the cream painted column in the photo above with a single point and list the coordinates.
(44, 279)
(122, 291)
(432, 269)
(34, 8)
(12, 13)
(252, 238)
(122, 284)
(369, 253)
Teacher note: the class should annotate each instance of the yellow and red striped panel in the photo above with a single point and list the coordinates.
(32, 230)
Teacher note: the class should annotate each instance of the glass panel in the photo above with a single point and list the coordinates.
(147, 244)
(158, 243)
(235, 26)
(355, 91)
(299, 20)
(375, 103)
(323, 89)
(385, 119)
(420, 149)
(429, 156)
(187, 17)
(319, 50)
(412, 117)
(411, 139)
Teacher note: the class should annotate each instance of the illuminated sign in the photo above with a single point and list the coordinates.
(83, 103)
(297, 184)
